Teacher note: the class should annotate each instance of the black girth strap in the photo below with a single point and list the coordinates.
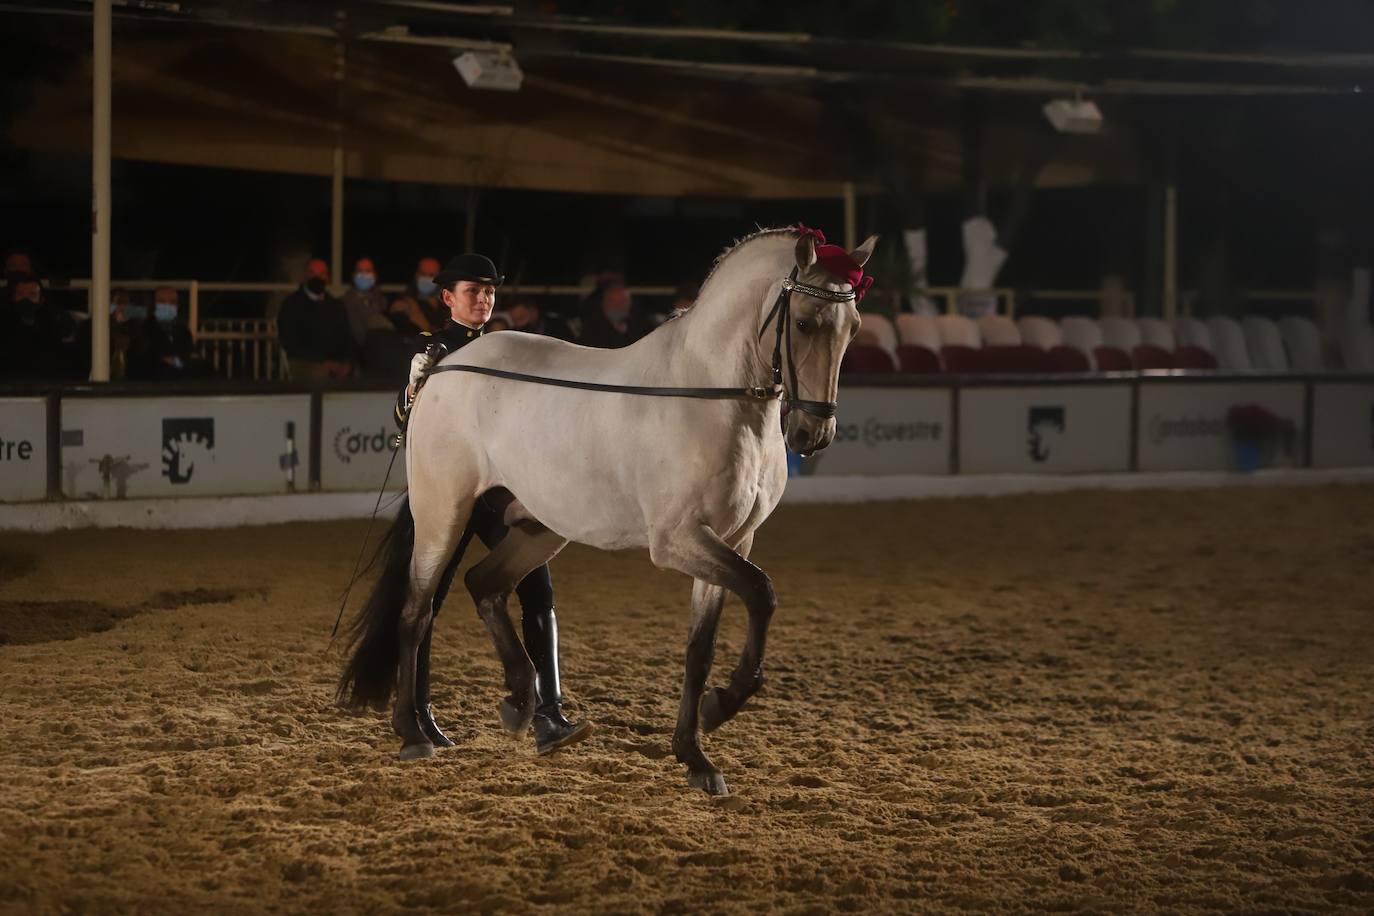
(781, 311)
(755, 394)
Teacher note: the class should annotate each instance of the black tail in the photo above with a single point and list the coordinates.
(370, 675)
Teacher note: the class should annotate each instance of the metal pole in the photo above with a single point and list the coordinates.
(193, 310)
(100, 178)
(851, 231)
(1170, 254)
(336, 203)
(337, 220)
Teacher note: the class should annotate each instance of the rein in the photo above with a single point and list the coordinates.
(782, 311)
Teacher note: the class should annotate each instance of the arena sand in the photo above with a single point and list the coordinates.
(1142, 702)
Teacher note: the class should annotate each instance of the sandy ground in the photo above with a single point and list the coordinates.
(1143, 702)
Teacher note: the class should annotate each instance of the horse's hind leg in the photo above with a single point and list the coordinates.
(707, 601)
(527, 546)
(436, 537)
(700, 553)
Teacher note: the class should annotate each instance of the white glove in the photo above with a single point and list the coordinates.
(418, 367)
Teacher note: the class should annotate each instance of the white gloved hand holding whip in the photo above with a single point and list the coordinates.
(419, 365)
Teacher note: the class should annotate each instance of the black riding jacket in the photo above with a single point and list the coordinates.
(452, 336)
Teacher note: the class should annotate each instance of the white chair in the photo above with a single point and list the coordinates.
(1189, 332)
(1157, 333)
(958, 331)
(1121, 333)
(1357, 347)
(919, 331)
(1265, 345)
(1228, 345)
(883, 333)
(1039, 332)
(998, 331)
(1082, 334)
(1304, 342)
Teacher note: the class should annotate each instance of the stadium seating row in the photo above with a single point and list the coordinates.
(925, 344)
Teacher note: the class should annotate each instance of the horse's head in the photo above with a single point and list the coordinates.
(820, 330)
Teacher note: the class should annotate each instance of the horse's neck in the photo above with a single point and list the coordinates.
(720, 334)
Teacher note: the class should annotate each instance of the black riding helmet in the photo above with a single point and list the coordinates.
(475, 267)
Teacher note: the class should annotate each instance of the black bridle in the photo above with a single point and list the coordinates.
(781, 311)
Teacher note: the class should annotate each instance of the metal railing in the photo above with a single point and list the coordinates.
(244, 348)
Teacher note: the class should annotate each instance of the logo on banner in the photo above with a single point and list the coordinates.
(1044, 426)
(186, 443)
(349, 445)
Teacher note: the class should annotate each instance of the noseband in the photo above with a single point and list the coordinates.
(782, 311)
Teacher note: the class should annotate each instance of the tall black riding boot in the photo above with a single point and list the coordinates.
(551, 729)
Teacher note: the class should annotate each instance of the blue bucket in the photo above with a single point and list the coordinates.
(794, 464)
(1247, 456)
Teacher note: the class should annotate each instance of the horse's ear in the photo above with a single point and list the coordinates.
(864, 251)
(806, 251)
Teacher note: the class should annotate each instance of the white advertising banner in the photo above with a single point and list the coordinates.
(23, 449)
(887, 431)
(1187, 426)
(1049, 429)
(1343, 424)
(113, 448)
(356, 433)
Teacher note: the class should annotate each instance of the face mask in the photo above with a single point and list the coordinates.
(425, 286)
(165, 312)
(135, 312)
(315, 286)
(364, 282)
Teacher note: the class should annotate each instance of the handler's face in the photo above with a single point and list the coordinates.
(470, 303)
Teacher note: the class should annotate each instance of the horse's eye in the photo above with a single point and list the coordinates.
(803, 325)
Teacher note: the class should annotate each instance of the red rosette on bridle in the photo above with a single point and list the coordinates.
(837, 262)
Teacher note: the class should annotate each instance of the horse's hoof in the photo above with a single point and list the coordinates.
(711, 711)
(417, 751)
(712, 782)
(514, 720)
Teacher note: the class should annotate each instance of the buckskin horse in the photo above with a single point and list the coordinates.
(619, 449)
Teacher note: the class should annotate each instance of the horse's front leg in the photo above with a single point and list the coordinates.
(700, 553)
(719, 704)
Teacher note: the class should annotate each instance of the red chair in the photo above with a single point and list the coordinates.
(863, 359)
(1148, 356)
(959, 360)
(1019, 359)
(1112, 359)
(1069, 359)
(1194, 358)
(913, 359)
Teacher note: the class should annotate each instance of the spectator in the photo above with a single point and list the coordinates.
(362, 300)
(526, 316)
(608, 317)
(17, 264)
(499, 321)
(313, 329)
(30, 332)
(162, 347)
(407, 318)
(429, 313)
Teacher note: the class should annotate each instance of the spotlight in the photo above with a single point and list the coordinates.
(1074, 116)
(486, 70)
